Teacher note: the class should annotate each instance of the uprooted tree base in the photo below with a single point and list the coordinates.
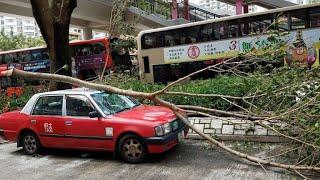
(249, 111)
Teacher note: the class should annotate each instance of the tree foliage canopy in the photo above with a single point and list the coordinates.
(8, 42)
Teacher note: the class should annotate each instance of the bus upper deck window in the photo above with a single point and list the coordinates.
(149, 41)
(45, 55)
(8, 58)
(254, 28)
(98, 48)
(168, 40)
(298, 20)
(314, 17)
(244, 27)
(1, 59)
(233, 29)
(84, 50)
(283, 22)
(206, 33)
(36, 55)
(222, 32)
(26, 56)
(216, 32)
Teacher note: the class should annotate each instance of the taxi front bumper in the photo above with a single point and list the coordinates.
(161, 144)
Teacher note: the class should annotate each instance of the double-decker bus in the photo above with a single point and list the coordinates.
(166, 54)
(89, 57)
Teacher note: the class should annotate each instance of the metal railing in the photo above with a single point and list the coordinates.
(197, 13)
(157, 7)
(163, 8)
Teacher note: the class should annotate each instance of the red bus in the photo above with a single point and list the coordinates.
(89, 58)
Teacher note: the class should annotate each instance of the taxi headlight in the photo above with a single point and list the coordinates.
(159, 131)
(166, 128)
(163, 129)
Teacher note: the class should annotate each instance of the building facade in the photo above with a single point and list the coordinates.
(14, 25)
(311, 1)
(214, 4)
(304, 1)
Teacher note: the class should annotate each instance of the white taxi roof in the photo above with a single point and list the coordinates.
(84, 91)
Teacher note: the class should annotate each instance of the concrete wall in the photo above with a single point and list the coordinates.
(234, 129)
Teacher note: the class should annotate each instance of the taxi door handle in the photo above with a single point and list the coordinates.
(68, 123)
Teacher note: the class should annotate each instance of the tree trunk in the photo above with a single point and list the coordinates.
(53, 18)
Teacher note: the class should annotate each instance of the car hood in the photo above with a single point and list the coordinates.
(148, 113)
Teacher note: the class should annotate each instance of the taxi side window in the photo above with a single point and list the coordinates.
(78, 105)
(49, 105)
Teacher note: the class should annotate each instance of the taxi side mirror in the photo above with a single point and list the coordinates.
(94, 114)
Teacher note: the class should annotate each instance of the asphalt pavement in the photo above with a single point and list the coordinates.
(189, 160)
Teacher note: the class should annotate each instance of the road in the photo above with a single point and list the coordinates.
(189, 160)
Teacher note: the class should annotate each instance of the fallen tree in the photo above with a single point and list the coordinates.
(181, 113)
(259, 106)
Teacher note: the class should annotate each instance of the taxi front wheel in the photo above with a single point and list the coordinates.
(132, 149)
(30, 143)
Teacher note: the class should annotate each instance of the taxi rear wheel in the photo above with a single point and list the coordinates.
(30, 143)
(132, 149)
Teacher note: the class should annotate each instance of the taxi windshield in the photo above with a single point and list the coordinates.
(114, 103)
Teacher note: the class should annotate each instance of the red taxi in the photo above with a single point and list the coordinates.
(92, 120)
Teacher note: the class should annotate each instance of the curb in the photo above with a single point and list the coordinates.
(267, 139)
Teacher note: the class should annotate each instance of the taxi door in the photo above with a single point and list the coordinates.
(48, 122)
(81, 131)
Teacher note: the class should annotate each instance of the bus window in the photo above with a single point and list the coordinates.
(265, 24)
(45, 54)
(159, 39)
(2, 60)
(314, 17)
(233, 29)
(192, 34)
(148, 41)
(183, 37)
(168, 38)
(84, 50)
(222, 30)
(244, 26)
(26, 56)
(298, 20)
(283, 22)
(254, 27)
(206, 32)
(9, 58)
(216, 31)
(98, 48)
(177, 37)
(261, 23)
(36, 55)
